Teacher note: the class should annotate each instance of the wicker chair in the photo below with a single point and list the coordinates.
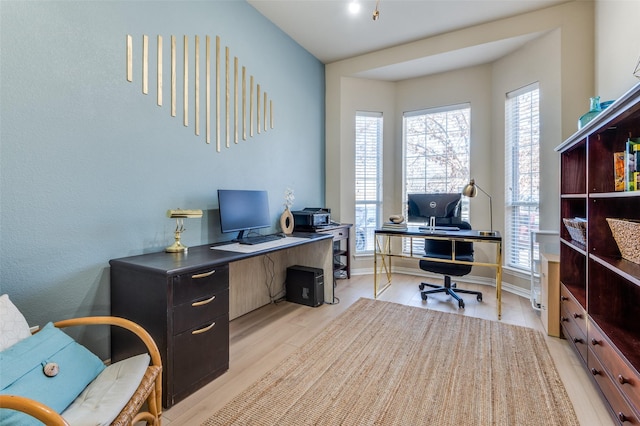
(149, 390)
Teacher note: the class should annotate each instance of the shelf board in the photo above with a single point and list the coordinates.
(618, 194)
(577, 196)
(628, 270)
(580, 248)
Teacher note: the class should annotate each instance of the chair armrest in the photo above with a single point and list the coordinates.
(136, 329)
(33, 408)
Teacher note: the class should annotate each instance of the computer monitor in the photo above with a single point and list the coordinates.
(243, 210)
(444, 207)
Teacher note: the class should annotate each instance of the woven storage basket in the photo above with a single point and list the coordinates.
(577, 229)
(627, 235)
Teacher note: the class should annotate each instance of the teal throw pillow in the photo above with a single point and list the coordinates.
(22, 371)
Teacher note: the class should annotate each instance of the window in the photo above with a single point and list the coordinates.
(368, 178)
(436, 151)
(522, 168)
(436, 154)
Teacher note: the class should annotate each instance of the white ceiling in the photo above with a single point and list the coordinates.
(330, 33)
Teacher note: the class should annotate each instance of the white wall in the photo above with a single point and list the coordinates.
(558, 59)
(617, 46)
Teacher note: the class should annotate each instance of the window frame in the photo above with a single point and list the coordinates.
(522, 163)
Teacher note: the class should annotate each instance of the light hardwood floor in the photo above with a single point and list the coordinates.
(263, 338)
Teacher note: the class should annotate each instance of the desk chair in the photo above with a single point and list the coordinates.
(441, 249)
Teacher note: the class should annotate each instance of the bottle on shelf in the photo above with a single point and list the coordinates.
(594, 109)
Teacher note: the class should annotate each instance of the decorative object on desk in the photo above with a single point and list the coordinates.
(396, 218)
(626, 233)
(396, 223)
(378, 386)
(286, 219)
(179, 215)
(577, 228)
(471, 190)
(594, 109)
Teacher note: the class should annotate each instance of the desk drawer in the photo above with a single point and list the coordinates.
(197, 285)
(200, 353)
(338, 234)
(188, 314)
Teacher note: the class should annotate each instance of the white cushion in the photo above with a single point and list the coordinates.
(13, 325)
(104, 398)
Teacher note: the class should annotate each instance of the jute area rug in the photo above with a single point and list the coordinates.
(382, 363)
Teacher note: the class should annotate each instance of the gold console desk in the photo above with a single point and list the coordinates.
(384, 253)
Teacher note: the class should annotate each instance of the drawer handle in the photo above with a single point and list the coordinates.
(564, 319)
(622, 380)
(577, 340)
(595, 372)
(203, 302)
(563, 298)
(596, 342)
(622, 417)
(204, 329)
(577, 315)
(203, 275)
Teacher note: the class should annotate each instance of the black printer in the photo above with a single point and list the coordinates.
(311, 218)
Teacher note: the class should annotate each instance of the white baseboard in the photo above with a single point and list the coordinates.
(471, 279)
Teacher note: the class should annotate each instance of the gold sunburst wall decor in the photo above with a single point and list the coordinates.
(229, 74)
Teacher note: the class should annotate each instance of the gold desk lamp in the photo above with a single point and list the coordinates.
(471, 190)
(179, 215)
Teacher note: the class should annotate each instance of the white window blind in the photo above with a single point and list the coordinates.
(522, 169)
(368, 179)
(437, 152)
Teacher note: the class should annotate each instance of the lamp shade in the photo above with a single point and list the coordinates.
(470, 189)
(180, 213)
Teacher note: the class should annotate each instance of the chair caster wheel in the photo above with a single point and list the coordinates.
(479, 298)
(421, 286)
(424, 296)
(461, 304)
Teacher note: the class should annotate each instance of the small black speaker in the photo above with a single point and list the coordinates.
(305, 285)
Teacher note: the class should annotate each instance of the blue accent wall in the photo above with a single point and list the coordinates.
(89, 165)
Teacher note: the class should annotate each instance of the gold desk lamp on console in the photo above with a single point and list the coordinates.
(179, 215)
(471, 190)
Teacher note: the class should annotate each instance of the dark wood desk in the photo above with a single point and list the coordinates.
(383, 250)
(186, 300)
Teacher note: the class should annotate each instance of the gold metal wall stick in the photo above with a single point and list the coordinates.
(185, 81)
(218, 93)
(265, 111)
(145, 64)
(235, 99)
(159, 76)
(244, 103)
(208, 90)
(129, 58)
(271, 112)
(251, 106)
(227, 105)
(196, 84)
(173, 76)
(258, 107)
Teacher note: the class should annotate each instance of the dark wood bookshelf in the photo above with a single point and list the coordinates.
(605, 286)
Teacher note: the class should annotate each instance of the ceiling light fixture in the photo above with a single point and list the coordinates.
(354, 7)
(376, 12)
